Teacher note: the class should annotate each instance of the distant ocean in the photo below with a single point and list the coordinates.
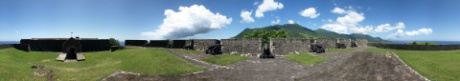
(437, 42)
(9, 42)
(122, 43)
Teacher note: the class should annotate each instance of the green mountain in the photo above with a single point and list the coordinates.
(297, 31)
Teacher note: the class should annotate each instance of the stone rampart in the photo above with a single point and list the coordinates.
(284, 46)
(251, 47)
(204, 44)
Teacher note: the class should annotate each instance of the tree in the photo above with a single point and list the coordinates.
(266, 34)
(114, 42)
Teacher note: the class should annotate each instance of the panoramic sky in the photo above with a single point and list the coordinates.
(186, 19)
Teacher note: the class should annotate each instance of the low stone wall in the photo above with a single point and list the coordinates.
(327, 43)
(135, 42)
(23, 47)
(361, 42)
(158, 43)
(3, 46)
(416, 47)
(347, 42)
(284, 46)
(251, 47)
(204, 44)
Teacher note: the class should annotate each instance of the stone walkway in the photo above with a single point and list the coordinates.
(343, 66)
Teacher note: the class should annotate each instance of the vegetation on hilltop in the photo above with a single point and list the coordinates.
(265, 34)
(298, 31)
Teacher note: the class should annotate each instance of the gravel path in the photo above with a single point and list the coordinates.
(342, 66)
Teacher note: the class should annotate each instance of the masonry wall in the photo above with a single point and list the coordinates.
(158, 43)
(3, 46)
(95, 45)
(178, 43)
(251, 47)
(327, 43)
(56, 45)
(284, 46)
(361, 42)
(347, 42)
(135, 42)
(204, 44)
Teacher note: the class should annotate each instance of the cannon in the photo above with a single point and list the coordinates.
(317, 48)
(214, 49)
(266, 53)
(340, 45)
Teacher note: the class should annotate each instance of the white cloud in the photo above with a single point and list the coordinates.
(291, 21)
(363, 30)
(401, 33)
(246, 15)
(335, 28)
(349, 23)
(387, 27)
(188, 21)
(256, 3)
(267, 5)
(351, 18)
(276, 21)
(338, 10)
(17, 32)
(309, 12)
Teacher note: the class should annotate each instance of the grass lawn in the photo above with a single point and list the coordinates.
(435, 65)
(226, 59)
(16, 65)
(182, 51)
(305, 58)
(340, 50)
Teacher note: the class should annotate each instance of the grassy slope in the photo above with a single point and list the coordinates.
(226, 59)
(304, 58)
(340, 50)
(15, 64)
(435, 65)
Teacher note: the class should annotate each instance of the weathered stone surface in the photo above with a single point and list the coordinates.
(135, 42)
(214, 50)
(284, 46)
(203, 44)
(361, 42)
(327, 43)
(251, 47)
(347, 42)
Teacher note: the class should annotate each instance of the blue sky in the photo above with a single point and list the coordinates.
(143, 19)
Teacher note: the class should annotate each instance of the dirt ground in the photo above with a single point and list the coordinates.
(341, 66)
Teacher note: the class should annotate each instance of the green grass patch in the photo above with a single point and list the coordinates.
(182, 51)
(226, 59)
(16, 65)
(340, 50)
(305, 58)
(435, 65)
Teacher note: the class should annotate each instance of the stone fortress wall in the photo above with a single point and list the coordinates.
(252, 47)
(283, 46)
(204, 44)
